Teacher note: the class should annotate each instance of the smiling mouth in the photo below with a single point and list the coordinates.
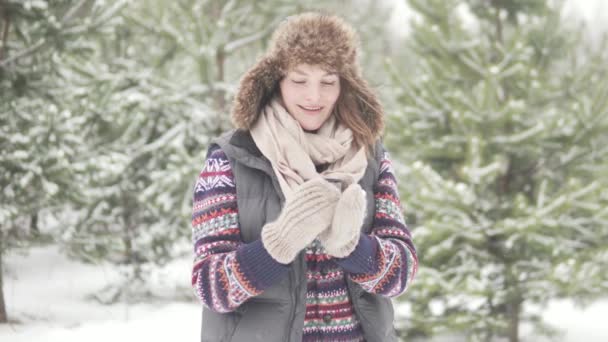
(311, 109)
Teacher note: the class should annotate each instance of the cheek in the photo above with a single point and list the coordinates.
(288, 94)
(333, 96)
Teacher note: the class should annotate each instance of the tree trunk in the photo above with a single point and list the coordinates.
(498, 25)
(514, 311)
(34, 230)
(220, 60)
(5, 25)
(3, 315)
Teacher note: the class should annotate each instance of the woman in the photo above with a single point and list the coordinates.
(297, 227)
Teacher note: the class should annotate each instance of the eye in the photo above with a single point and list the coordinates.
(328, 83)
(298, 82)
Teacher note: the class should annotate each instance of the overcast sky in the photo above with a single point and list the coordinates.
(594, 12)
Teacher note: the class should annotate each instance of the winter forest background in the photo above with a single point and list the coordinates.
(497, 117)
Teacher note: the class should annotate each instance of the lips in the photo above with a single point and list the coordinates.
(311, 110)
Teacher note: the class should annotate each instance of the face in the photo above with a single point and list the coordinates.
(309, 94)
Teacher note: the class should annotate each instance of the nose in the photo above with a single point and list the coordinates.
(313, 95)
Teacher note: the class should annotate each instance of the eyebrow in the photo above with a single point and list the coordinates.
(298, 71)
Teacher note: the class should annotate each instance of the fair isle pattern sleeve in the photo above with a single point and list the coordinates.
(384, 262)
(226, 271)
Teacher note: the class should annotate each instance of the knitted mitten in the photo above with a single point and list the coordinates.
(307, 213)
(343, 235)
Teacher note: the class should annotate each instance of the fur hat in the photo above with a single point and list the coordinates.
(311, 38)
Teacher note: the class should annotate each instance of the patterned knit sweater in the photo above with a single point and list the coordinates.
(227, 271)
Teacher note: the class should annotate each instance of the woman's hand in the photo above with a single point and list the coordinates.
(341, 238)
(306, 214)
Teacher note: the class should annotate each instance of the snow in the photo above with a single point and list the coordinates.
(46, 293)
(579, 324)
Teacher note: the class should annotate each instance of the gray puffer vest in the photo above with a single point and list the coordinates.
(277, 314)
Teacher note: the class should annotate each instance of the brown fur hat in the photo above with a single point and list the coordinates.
(311, 38)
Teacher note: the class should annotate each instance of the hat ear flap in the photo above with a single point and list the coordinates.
(255, 90)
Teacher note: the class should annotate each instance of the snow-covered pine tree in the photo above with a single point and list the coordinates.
(501, 147)
(40, 127)
(158, 101)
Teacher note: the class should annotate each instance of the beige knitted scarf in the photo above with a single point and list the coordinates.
(294, 152)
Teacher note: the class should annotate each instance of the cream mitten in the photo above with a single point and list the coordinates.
(343, 235)
(307, 213)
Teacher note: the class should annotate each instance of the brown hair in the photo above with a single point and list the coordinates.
(348, 112)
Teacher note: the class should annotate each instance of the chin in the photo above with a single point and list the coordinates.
(312, 124)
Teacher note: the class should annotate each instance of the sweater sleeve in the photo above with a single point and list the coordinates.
(385, 261)
(226, 271)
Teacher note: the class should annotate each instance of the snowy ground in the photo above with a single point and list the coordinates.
(47, 293)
